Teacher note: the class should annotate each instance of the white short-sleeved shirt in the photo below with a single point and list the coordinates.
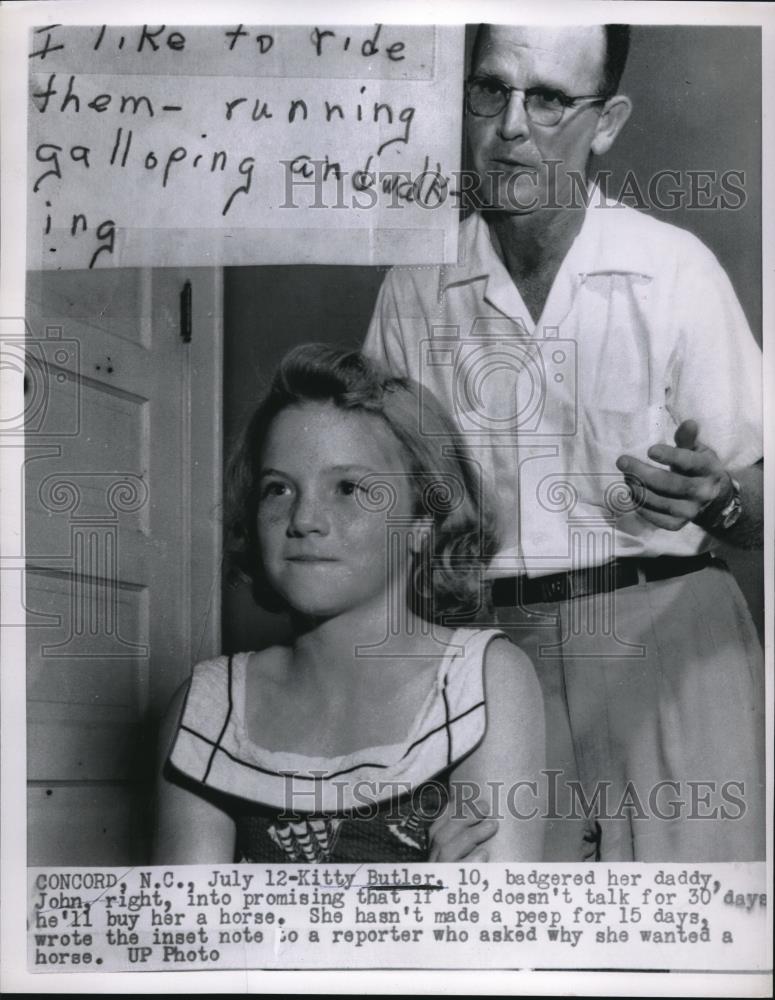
(641, 330)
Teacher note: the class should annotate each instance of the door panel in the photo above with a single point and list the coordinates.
(122, 555)
(82, 742)
(108, 812)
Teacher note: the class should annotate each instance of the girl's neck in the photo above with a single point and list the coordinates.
(334, 700)
(331, 646)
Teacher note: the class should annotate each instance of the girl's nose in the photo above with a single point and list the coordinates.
(308, 516)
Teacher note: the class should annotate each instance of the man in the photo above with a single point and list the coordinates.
(603, 373)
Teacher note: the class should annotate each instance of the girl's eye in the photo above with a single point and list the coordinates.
(274, 488)
(349, 487)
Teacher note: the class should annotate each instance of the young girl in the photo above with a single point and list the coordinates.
(360, 516)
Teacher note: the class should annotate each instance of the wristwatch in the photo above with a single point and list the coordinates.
(723, 513)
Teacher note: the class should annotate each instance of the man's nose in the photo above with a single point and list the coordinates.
(309, 515)
(514, 123)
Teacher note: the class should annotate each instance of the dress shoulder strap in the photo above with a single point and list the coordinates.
(462, 688)
(212, 747)
(467, 651)
(206, 714)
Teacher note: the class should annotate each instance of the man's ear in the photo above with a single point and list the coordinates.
(611, 122)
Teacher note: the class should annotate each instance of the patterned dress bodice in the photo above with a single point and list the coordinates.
(376, 804)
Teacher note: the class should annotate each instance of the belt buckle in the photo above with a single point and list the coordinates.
(553, 589)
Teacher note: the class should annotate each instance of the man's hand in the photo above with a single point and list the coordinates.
(460, 838)
(672, 497)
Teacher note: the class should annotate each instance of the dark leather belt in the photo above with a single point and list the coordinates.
(520, 590)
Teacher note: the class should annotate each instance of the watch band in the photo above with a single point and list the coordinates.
(722, 513)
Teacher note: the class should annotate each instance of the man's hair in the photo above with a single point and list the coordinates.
(617, 46)
(446, 575)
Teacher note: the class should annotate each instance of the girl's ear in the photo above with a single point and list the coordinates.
(420, 533)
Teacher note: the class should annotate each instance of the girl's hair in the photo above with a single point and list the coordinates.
(446, 575)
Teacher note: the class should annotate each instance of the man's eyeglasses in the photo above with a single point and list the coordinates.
(486, 97)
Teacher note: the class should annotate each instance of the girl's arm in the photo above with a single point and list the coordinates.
(502, 777)
(190, 828)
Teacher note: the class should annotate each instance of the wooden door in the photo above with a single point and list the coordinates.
(122, 475)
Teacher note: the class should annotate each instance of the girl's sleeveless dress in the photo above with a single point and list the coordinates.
(376, 804)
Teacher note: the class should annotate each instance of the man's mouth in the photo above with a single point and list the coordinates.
(516, 165)
(311, 558)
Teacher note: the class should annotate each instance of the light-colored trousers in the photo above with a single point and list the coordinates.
(654, 701)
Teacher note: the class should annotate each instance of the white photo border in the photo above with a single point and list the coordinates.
(15, 19)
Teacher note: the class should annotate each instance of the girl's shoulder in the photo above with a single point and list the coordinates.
(209, 671)
(461, 676)
(471, 650)
(216, 672)
(500, 653)
(480, 661)
(207, 695)
(509, 672)
(210, 730)
(214, 747)
(215, 682)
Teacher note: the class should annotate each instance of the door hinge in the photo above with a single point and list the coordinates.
(185, 313)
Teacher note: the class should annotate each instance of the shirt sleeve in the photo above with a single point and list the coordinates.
(716, 367)
(384, 339)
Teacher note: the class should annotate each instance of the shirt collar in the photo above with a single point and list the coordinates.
(610, 241)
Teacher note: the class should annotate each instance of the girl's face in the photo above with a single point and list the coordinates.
(322, 544)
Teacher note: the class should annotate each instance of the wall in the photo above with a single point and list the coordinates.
(697, 107)
(696, 93)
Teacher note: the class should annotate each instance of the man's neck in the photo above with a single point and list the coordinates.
(534, 245)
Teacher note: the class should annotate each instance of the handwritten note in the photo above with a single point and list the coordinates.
(215, 145)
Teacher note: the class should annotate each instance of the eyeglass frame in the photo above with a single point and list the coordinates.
(566, 100)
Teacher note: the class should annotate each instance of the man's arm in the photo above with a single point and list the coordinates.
(713, 391)
(697, 487)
